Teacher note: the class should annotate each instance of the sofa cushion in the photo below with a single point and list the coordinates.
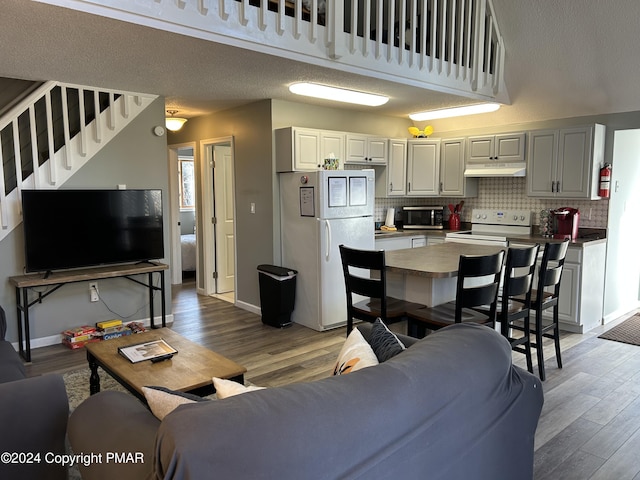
(229, 388)
(384, 342)
(163, 401)
(11, 366)
(356, 353)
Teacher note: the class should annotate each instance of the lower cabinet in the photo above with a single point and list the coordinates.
(401, 241)
(581, 302)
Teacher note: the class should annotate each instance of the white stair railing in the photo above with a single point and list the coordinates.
(452, 46)
(66, 151)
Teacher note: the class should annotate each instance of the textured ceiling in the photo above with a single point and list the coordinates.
(563, 59)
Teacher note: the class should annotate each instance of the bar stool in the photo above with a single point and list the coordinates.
(472, 291)
(545, 296)
(370, 281)
(518, 283)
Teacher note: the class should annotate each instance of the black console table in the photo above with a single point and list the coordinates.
(24, 283)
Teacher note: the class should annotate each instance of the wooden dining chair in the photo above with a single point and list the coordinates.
(513, 314)
(365, 275)
(546, 295)
(477, 285)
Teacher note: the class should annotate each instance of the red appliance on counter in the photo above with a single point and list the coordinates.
(565, 222)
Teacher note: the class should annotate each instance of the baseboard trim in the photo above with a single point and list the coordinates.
(248, 307)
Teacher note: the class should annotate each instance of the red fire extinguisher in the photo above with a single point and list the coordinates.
(605, 181)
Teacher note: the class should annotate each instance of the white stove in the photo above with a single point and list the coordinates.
(493, 227)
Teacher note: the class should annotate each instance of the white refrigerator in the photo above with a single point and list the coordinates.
(319, 211)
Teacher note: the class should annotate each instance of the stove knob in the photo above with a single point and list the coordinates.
(522, 217)
(484, 216)
(477, 215)
(515, 218)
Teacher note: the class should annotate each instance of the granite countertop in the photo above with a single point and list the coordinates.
(587, 236)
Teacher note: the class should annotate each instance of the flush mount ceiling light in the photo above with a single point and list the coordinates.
(338, 94)
(174, 123)
(455, 112)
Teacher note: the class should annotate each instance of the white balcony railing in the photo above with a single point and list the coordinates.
(452, 46)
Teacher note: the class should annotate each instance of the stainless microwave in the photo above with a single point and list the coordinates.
(422, 218)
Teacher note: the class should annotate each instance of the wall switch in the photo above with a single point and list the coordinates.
(93, 292)
(252, 207)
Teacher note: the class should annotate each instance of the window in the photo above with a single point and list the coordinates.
(187, 183)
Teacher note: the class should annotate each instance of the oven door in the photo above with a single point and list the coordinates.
(470, 238)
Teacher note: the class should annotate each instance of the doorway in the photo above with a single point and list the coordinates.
(218, 216)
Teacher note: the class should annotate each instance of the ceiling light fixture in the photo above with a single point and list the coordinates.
(455, 112)
(338, 94)
(174, 123)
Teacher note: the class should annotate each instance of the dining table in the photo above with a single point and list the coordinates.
(428, 275)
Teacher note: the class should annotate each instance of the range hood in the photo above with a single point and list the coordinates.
(517, 169)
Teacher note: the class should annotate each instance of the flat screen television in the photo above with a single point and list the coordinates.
(66, 229)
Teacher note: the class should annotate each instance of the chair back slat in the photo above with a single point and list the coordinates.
(474, 295)
(551, 267)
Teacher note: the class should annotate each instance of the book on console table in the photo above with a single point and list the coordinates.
(156, 349)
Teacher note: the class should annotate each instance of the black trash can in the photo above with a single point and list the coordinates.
(277, 294)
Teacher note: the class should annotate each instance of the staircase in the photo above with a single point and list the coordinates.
(49, 135)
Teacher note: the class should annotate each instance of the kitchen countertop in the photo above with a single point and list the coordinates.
(434, 261)
(586, 237)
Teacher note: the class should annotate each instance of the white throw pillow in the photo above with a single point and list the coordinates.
(229, 388)
(163, 401)
(355, 354)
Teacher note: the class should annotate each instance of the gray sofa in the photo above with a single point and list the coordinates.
(33, 417)
(450, 406)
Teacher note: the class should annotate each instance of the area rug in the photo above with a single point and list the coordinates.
(627, 332)
(77, 384)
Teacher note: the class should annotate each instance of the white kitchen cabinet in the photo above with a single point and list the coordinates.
(581, 299)
(564, 163)
(304, 149)
(506, 147)
(366, 150)
(453, 183)
(434, 240)
(391, 180)
(423, 168)
(393, 243)
(420, 241)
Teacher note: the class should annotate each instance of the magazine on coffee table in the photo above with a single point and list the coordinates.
(155, 349)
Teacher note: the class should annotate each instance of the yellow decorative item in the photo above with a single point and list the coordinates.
(417, 133)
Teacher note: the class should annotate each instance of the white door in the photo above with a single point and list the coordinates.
(224, 214)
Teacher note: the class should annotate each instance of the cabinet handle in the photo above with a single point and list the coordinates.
(409, 187)
(391, 186)
(558, 186)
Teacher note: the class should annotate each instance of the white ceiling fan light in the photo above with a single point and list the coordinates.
(174, 123)
(337, 94)
(454, 112)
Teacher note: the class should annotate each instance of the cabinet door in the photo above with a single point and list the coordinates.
(356, 149)
(418, 241)
(423, 168)
(569, 294)
(480, 149)
(452, 168)
(306, 154)
(510, 147)
(332, 143)
(377, 150)
(397, 168)
(541, 163)
(574, 162)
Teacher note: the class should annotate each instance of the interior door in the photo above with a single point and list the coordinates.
(224, 214)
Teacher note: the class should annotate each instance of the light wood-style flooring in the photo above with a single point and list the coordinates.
(590, 422)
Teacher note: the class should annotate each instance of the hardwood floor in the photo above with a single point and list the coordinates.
(590, 422)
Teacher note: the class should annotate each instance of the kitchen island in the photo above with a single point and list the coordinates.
(428, 274)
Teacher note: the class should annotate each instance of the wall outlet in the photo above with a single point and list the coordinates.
(93, 292)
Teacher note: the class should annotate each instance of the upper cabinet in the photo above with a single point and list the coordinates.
(453, 183)
(304, 149)
(423, 168)
(507, 147)
(366, 150)
(564, 163)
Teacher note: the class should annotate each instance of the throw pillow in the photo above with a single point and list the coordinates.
(229, 388)
(384, 342)
(163, 401)
(355, 354)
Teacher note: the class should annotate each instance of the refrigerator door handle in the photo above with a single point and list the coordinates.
(327, 229)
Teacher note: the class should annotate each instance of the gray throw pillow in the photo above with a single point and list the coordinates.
(384, 342)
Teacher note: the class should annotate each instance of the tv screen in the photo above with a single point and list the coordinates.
(79, 228)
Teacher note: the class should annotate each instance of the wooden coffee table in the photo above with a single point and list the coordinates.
(190, 370)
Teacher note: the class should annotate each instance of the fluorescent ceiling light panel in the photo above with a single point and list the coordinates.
(338, 94)
(455, 112)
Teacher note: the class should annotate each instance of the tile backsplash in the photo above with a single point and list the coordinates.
(507, 193)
